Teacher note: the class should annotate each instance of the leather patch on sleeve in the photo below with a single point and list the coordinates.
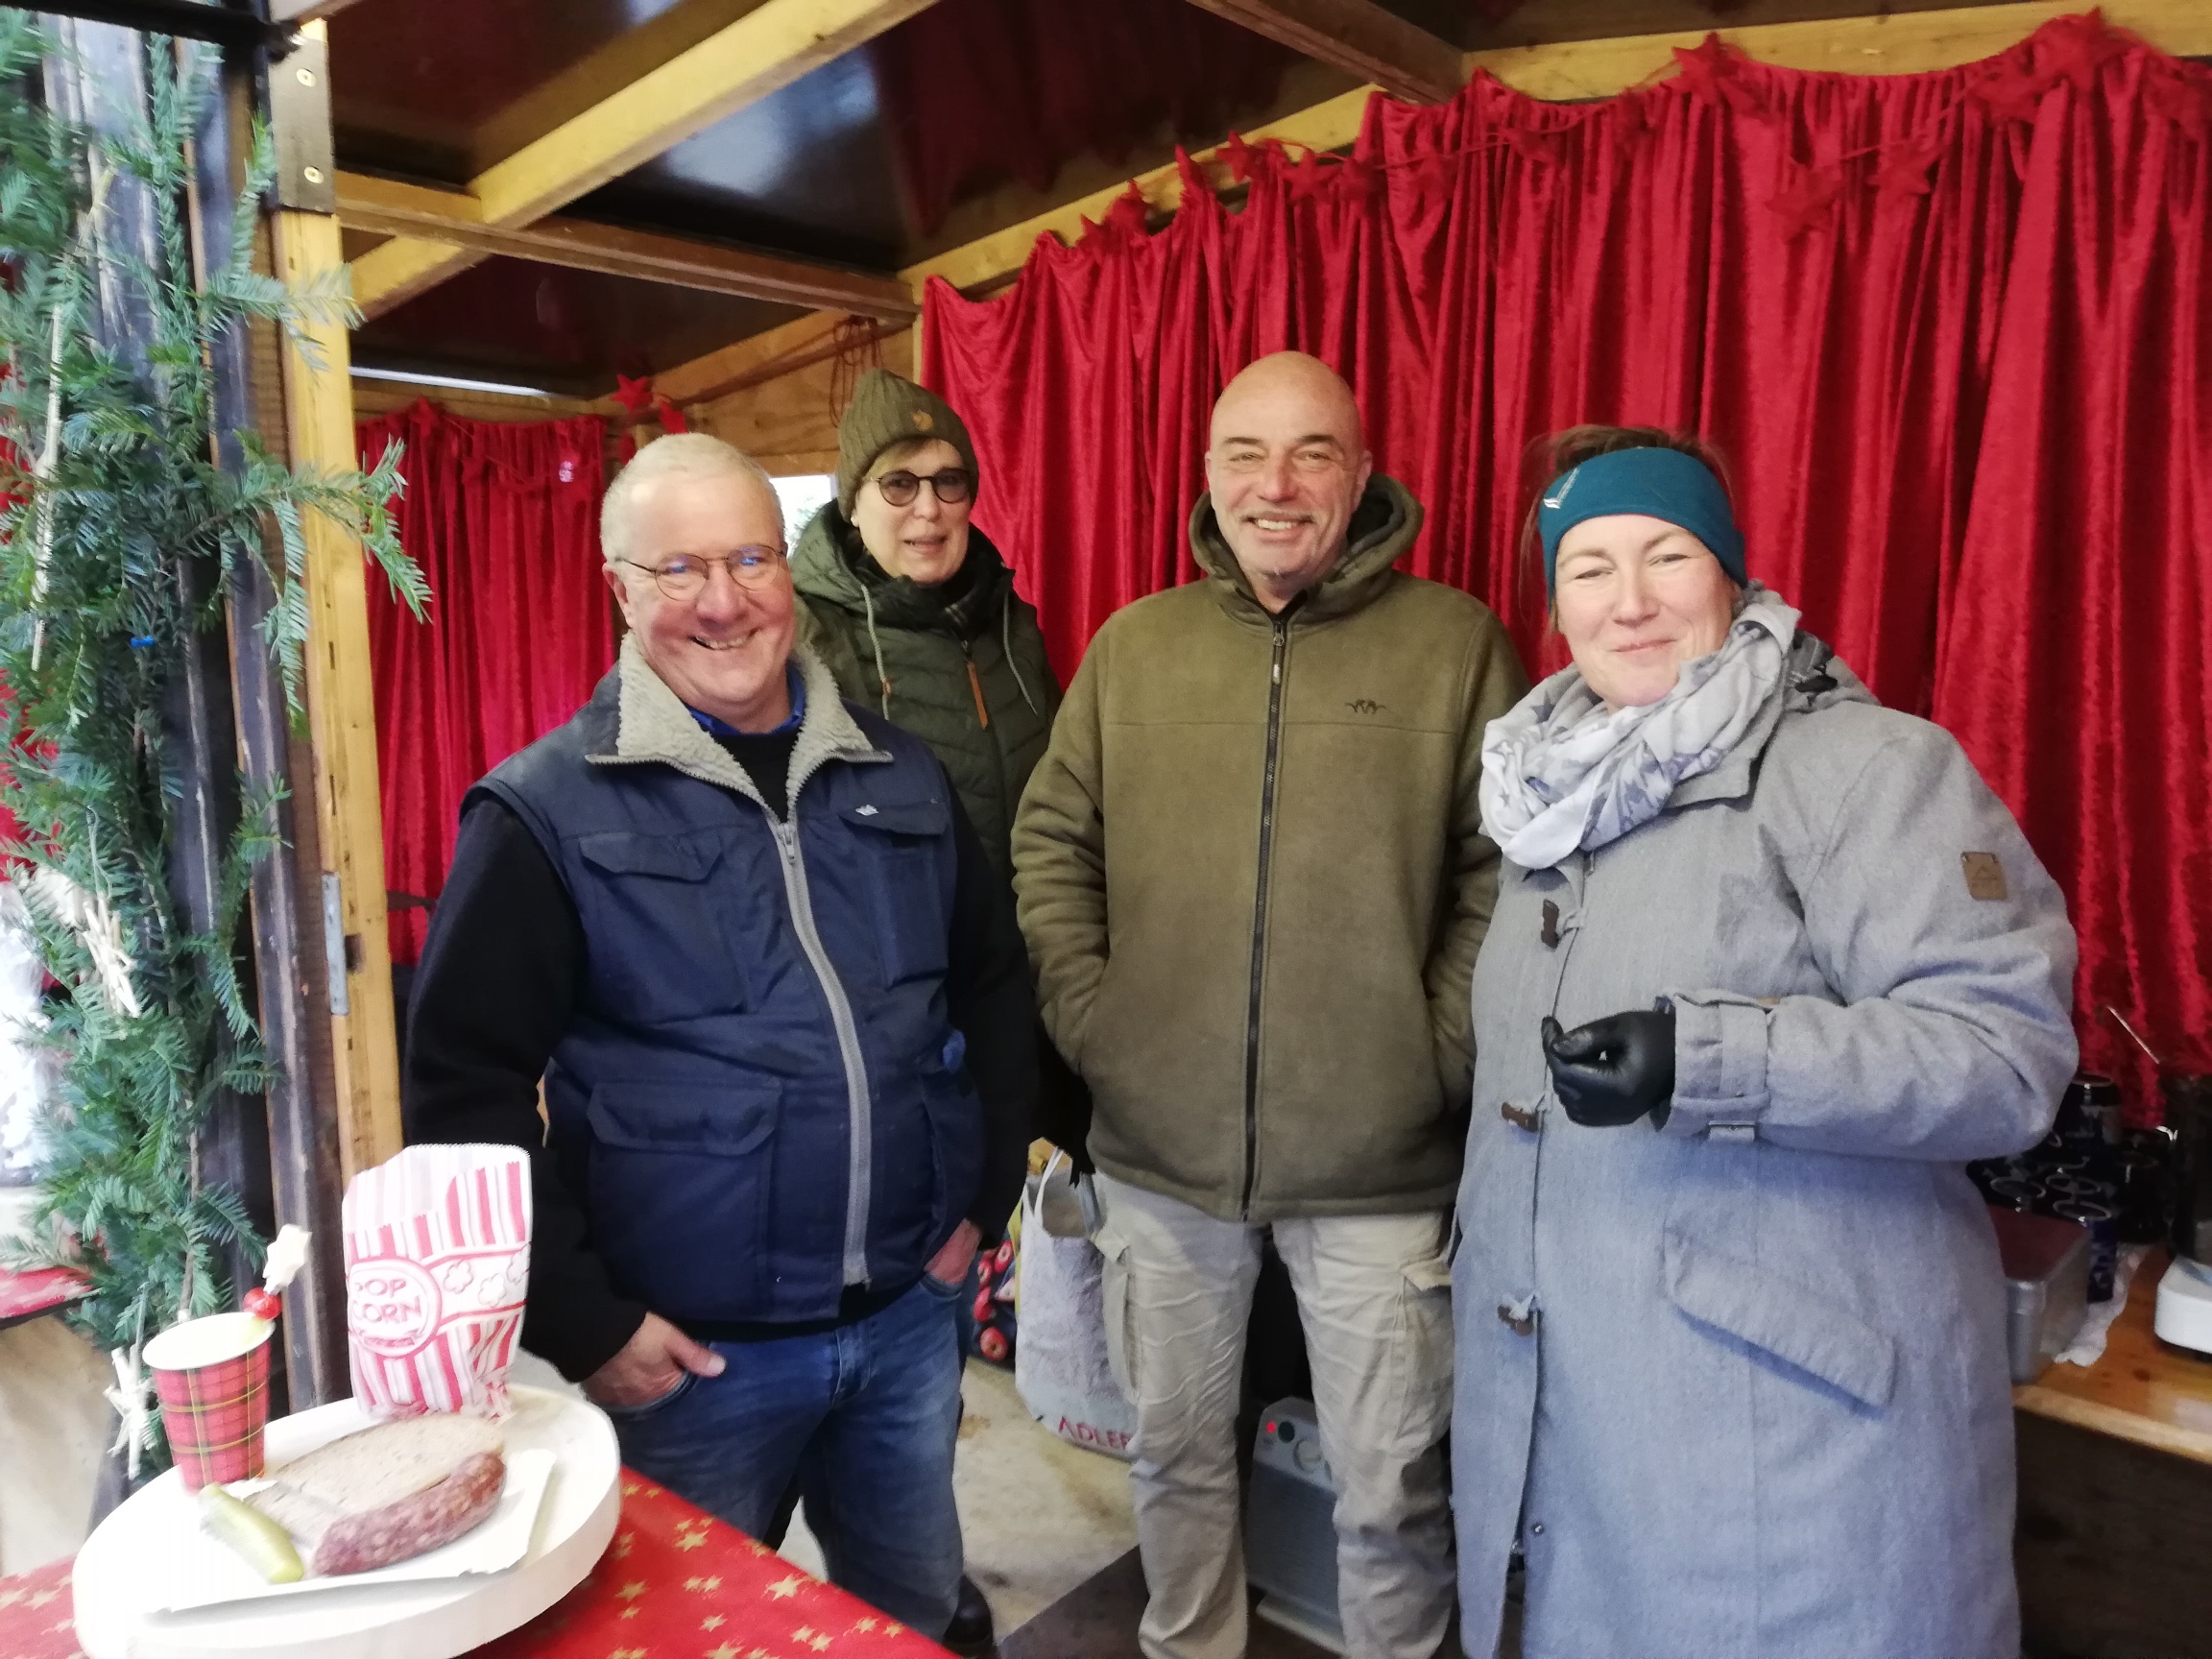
(1984, 875)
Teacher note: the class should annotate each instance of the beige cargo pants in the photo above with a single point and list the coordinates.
(1374, 1297)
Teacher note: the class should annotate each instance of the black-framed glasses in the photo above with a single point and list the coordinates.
(754, 565)
(951, 486)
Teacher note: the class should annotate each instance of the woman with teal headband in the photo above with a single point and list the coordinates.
(1770, 964)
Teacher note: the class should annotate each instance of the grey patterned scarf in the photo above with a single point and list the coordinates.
(1562, 773)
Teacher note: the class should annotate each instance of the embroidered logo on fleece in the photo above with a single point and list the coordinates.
(1984, 875)
(1555, 502)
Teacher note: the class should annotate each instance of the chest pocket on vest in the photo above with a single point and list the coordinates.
(898, 844)
(661, 926)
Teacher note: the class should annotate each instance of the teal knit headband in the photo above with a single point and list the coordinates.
(1659, 483)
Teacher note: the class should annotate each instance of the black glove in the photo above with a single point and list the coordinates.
(1612, 1070)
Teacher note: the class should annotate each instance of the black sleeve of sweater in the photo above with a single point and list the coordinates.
(495, 988)
(991, 1000)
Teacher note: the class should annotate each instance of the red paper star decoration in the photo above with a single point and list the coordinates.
(1532, 145)
(1803, 203)
(1904, 169)
(2078, 47)
(1709, 74)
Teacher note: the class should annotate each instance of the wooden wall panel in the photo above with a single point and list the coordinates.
(789, 424)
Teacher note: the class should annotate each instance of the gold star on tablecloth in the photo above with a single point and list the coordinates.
(783, 1589)
(712, 1621)
(725, 1651)
(631, 1591)
(714, 1583)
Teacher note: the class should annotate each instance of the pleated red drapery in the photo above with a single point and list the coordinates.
(1953, 330)
(504, 519)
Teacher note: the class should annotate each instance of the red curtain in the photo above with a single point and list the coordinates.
(504, 519)
(1056, 81)
(1954, 330)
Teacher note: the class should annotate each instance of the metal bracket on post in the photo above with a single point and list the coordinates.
(299, 94)
(296, 64)
(334, 944)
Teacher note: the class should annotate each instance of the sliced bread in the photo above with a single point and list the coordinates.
(370, 1469)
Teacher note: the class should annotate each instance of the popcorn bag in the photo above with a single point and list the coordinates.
(437, 1263)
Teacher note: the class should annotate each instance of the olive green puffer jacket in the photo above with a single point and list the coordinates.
(961, 666)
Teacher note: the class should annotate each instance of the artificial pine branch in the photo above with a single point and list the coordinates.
(109, 491)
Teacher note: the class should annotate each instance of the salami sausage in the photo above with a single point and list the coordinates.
(435, 1515)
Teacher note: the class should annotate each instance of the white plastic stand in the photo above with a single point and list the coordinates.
(2184, 1313)
(433, 1619)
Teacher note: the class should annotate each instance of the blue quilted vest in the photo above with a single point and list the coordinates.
(759, 1098)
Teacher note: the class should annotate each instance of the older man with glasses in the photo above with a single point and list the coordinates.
(748, 938)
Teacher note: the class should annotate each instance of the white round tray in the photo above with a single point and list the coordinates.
(432, 1619)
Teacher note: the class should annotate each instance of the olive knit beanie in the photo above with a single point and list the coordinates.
(888, 409)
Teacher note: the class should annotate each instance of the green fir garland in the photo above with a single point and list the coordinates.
(112, 493)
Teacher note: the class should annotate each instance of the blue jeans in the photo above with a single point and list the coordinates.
(864, 1416)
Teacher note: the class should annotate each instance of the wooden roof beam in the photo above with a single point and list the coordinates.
(798, 344)
(454, 217)
(763, 52)
(1899, 43)
(1358, 36)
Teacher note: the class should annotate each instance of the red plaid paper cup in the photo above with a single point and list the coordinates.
(212, 1376)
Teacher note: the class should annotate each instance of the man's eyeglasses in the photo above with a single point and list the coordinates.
(950, 485)
(684, 576)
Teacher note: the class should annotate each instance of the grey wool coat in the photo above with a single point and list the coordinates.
(1738, 1384)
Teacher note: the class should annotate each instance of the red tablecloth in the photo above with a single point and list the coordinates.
(27, 1291)
(675, 1585)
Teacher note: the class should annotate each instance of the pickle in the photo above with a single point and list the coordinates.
(266, 1545)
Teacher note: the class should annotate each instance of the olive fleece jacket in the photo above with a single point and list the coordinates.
(1252, 878)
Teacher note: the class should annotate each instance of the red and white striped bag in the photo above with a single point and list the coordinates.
(437, 1263)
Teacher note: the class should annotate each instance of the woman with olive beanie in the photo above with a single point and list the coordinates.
(913, 607)
(915, 612)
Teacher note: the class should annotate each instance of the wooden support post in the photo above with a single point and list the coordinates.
(342, 720)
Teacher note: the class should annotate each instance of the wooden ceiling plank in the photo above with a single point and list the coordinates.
(605, 71)
(763, 356)
(454, 218)
(1898, 43)
(1356, 35)
(760, 52)
(393, 273)
(301, 11)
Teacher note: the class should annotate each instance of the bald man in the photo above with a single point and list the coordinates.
(1253, 879)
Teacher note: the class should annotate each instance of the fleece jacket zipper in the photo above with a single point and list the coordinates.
(1278, 656)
